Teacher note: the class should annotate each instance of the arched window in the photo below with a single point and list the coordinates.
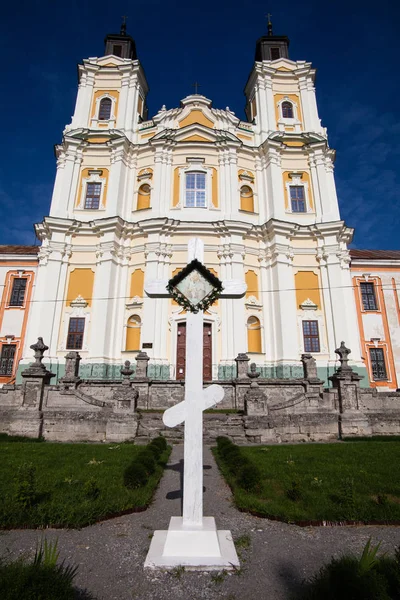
(133, 333)
(287, 110)
(105, 109)
(144, 196)
(253, 335)
(246, 198)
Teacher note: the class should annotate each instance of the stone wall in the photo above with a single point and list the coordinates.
(254, 409)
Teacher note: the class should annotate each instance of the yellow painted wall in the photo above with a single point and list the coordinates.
(294, 98)
(196, 116)
(80, 284)
(305, 179)
(133, 333)
(143, 200)
(147, 135)
(293, 144)
(148, 170)
(175, 194)
(249, 173)
(137, 283)
(98, 94)
(246, 201)
(174, 272)
(307, 286)
(84, 175)
(253, 335)
(244, 137)
(214, 187)
(195, 138)
(97, 140)
(251, 279)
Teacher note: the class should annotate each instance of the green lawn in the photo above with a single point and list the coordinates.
(351, 481)
(75, 484)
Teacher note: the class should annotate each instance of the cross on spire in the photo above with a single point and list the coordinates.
(196, 86)
(123, 25)
(269, 24)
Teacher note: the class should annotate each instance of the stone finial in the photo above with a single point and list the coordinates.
(253, 373)
(142, 361)
(309, 366)
(39, 349)
(126, 373)
(241, 365)
(37, 369)
(343, 353)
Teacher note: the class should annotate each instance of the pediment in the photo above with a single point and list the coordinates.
(196, 133)
(195, 115)
(110, 61)
(285, 64)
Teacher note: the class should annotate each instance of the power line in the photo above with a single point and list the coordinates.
(271, 291)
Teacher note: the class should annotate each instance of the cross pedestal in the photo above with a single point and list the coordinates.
(192, 540)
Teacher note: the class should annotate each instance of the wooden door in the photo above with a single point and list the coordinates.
(207, 352)
(181, 352)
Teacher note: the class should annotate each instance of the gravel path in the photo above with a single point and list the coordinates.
(111, 554)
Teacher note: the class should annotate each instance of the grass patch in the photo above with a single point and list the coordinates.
(315, 483)
(69, 485)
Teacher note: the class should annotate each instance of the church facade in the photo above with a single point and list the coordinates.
(130, 192)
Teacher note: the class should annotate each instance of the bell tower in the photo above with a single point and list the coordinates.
(120, 44)
(270, 46)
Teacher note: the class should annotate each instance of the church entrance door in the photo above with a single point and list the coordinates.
(181, 352)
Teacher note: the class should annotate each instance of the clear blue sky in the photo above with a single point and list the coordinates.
(354, 45)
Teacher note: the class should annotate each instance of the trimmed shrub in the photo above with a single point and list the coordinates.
(161, 442)
(223, 441)
(155, 449)
(135, 476)
(147, 459)
(249, 478)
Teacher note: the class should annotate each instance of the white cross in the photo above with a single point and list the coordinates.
(190, 411)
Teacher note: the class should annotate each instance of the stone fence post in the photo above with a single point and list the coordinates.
(242, 366)
(346, 382)
(71, 376)
(35, 377)
(142, 361)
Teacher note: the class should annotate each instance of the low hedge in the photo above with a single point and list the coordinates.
(137, 473)
(246, 474)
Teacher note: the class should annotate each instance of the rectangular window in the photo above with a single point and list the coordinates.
(368, 296)
(7, 359)
(18, 292)
(195, 190)
(75, 333)
(92, 198)
(275, 53)
(117, 50)
(311, 336)
(378, 364)
(297, 198)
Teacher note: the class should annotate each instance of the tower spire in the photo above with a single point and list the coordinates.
(123, 25)
(269, 24)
